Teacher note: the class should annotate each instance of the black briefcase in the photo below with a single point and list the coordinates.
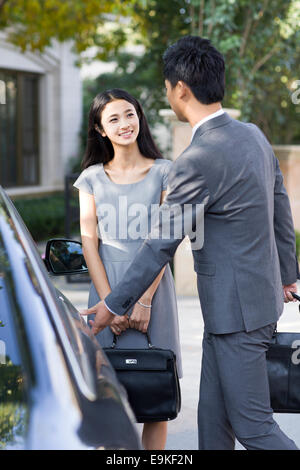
(150, 379)
(283, 364)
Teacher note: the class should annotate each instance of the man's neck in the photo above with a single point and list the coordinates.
(196, 112)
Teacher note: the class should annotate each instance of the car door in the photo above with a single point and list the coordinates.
(69, 390)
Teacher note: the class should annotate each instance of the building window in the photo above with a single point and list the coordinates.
(19, 136)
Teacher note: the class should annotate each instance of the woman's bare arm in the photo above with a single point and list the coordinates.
(90, 244)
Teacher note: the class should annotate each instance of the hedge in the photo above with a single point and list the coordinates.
(44, 217)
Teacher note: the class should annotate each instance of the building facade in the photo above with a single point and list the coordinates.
(40, 117)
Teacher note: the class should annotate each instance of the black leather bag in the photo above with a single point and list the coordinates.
(283, 364)
(150, 379)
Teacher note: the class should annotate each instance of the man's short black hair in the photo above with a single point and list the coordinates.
(199, 65)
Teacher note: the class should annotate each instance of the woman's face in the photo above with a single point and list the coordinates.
(120, 122)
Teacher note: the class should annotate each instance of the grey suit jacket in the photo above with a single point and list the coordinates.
(249, 239)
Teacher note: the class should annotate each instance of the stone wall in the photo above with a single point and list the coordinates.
(289, 159)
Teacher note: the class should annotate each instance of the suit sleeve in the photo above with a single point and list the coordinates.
(284, 231)
(186, 187)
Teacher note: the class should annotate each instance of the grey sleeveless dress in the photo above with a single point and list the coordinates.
(124, 213)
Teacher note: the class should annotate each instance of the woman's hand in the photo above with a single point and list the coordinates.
(140, 318)
(119, 323)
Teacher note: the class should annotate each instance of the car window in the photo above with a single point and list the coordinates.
(13, 396)
(84, 351)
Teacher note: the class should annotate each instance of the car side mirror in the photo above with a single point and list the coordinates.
(64, 257)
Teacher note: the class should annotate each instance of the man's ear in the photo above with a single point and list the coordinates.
(182, 90)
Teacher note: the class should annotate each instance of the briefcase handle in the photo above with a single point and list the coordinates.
(295, 296)
(150, 345)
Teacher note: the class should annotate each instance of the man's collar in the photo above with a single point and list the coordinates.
(207, 118)
(218, 121)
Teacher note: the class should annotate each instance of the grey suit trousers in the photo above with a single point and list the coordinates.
(234, 393)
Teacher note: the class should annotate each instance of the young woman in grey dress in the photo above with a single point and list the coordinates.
(124, 179)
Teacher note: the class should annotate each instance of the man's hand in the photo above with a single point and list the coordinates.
(140, 318)
(103, 317)
(286, 291)
(120, 323)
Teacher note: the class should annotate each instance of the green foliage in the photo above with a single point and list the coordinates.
(44, 217)
(260, 40)
(153, 25)
(11, 399)
(11, 382)
(11, 423)
(37, 22)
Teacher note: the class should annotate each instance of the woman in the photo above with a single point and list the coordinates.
(124, 179)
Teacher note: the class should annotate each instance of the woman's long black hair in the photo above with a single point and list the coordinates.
(99, 149)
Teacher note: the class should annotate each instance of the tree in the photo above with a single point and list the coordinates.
(260, 40)
(154, 25)
(33, 24)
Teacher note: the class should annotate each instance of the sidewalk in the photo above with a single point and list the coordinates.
(183, 431)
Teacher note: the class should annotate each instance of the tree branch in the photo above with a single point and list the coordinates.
(212, 12)
(261, 13)
(192, 15)
(201, 16)
(2, 2)
(264, 59)
(251, 24)
(246, 32)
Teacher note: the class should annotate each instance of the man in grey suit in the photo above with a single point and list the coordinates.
(246, 267)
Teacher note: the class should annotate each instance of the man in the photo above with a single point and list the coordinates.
(247, 256)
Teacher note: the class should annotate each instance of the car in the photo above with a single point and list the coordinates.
(57, 387)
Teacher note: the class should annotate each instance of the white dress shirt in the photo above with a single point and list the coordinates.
(109, 308)
(207, 118)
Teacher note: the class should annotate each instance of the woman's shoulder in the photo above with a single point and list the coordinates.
(163, 164)
(86, 179)
(163, 161)
(164, 167)
(90, 170)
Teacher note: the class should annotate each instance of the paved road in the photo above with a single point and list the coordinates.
(183, 431)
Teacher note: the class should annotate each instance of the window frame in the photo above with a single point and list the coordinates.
(19, 74)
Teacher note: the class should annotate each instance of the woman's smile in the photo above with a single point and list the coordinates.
(126, 134)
